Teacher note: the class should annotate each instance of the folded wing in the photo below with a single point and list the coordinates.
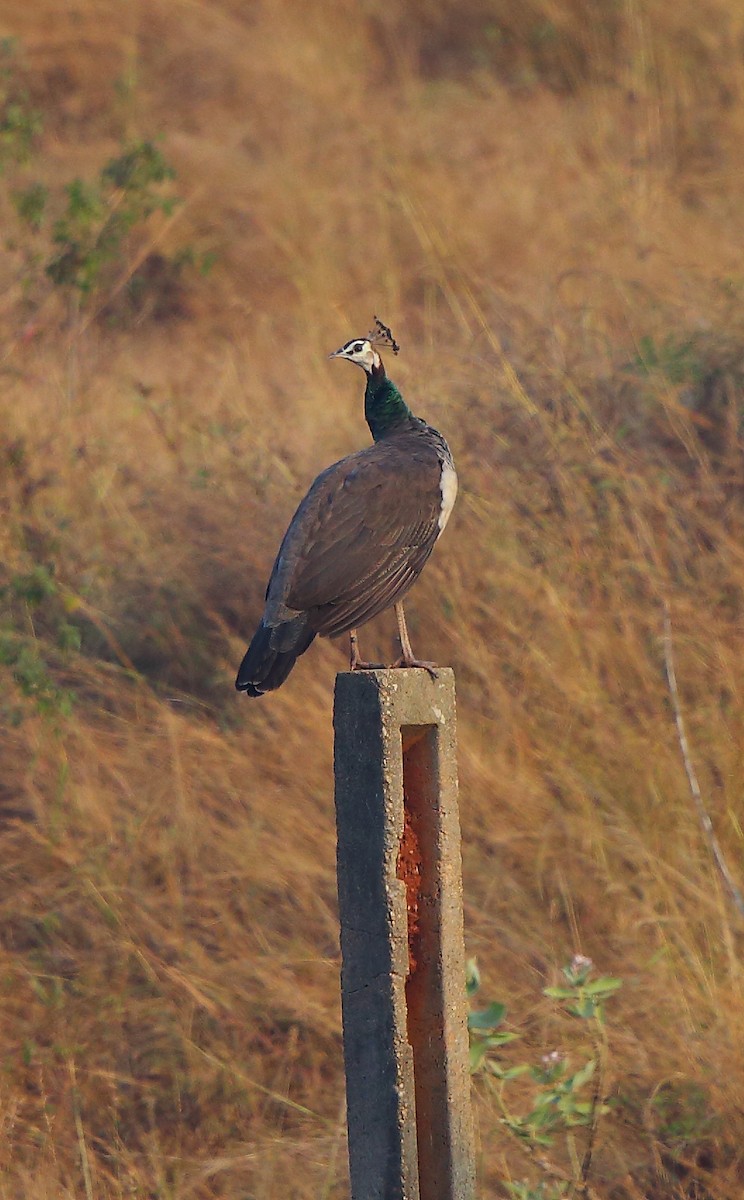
(360, 537)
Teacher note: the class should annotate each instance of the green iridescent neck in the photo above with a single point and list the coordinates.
(384, 407)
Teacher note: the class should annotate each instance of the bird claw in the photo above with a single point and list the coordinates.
(416, 662)
(355, 662)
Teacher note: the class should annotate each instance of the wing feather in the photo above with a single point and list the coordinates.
(361, 535)
(335, 619)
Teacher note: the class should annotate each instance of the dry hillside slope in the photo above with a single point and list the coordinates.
(545, 202)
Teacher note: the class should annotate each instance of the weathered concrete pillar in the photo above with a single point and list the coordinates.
(400, 902)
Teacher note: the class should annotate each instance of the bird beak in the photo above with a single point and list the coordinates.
(336, 353)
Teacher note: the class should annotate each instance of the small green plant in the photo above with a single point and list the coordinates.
(677, 361)
(565, 1096)
(681, 1115)
(20, 122)
(88, 241)
(581, 995)
(27, 598)
(89, 237)
(484, 1024)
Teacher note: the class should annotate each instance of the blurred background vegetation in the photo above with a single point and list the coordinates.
(199, 200)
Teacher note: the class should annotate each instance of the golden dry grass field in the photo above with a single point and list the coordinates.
(546, 202)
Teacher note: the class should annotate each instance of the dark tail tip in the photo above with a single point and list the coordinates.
(271, 655)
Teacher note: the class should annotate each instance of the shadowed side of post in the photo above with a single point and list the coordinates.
(400, 902)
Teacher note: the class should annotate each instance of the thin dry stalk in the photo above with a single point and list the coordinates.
(581, 1186)
(80, 1132)
(705, 821)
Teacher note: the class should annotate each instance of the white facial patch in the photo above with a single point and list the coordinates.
(361, 352)
(368, 357)
(448, 488)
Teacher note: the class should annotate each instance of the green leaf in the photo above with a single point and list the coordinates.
(472, 977)
(605, 985)
(542, 1116)
(586, 1072)
(30, 204)
(487, 1018)
(36, 586)
(586, 1009)
(477, 1056)
(140, 166)
(511, 1072)
(501, 1038)
(68, 636)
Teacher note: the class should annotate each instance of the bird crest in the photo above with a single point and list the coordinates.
(381, 335)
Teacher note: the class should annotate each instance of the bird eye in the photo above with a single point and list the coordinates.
(358, 348)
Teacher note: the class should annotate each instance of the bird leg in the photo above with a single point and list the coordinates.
(407, 657)
(355, 662)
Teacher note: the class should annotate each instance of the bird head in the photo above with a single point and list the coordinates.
(359, 351)
(362, 350)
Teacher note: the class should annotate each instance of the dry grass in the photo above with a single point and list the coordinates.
(549, 214)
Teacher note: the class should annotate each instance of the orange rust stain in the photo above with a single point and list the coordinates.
(409, 870)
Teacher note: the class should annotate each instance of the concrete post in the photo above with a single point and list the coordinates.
(400, 901)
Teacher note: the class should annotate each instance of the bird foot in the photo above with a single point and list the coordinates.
(355, 662)
(405, 661)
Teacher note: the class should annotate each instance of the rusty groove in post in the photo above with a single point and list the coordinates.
(409, 863)
(425, 1019)
(408, 870)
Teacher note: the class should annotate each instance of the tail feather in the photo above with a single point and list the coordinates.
(272, 654)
